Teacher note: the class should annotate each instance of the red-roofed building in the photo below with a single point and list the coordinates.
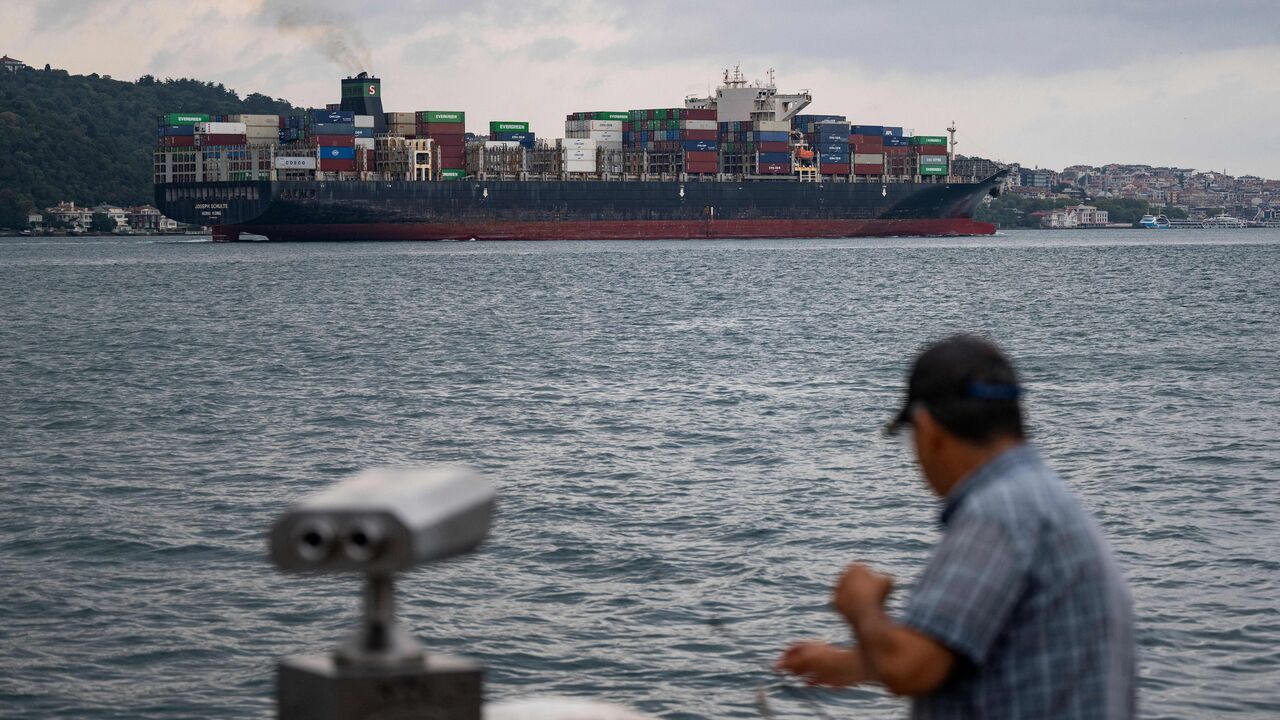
(13, 65)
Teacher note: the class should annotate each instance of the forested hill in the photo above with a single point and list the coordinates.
(88, 138)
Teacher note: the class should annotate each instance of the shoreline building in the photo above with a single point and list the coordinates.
(1078, 216)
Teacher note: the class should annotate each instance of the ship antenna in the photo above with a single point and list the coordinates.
(951, 156)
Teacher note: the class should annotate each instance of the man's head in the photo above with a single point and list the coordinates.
(962, 404)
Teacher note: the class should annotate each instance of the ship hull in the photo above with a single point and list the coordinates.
(609, 230)
(576, 210)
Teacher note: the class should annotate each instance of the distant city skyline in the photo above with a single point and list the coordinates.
(1172, 83)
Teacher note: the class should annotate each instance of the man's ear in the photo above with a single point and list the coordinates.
(928, 431)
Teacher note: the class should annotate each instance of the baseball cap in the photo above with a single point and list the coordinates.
(958, 368)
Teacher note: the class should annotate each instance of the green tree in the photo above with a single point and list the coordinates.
(88, 139)
(102, 223)
(15, 207)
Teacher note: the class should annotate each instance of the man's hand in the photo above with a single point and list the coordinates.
(860, 590)
(822, 664)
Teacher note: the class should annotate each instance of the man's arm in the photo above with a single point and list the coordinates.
(907, 662)
(822, 664)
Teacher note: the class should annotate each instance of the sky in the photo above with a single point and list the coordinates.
(1046, 84)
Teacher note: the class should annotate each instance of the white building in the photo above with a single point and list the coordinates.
(117, 215)
(13, 65)
(1077, 217)
(75, 218)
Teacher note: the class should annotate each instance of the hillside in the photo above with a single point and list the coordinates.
(89, 139)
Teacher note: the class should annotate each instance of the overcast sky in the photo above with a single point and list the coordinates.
(1163, 82)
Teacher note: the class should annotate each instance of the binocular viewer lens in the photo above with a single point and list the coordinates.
(358, 541)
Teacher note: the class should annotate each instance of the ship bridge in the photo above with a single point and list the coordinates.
(736, 100)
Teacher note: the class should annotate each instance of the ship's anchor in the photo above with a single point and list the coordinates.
(884, 191)
(485, 193)
(681, 191)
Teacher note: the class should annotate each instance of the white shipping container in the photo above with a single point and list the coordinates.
(868, 158)
(256, 120)
(609, 144)
(580, 166)
(220, 128)
(499, 144)
(698, 124)
(399, 118)
(773, 125)
(295, 163)
(579, 143)
(365, 121)
(573, 155)
(366, 143)
(614, 125)
(605, 136)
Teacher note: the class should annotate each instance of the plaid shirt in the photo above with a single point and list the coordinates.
(1024, 590)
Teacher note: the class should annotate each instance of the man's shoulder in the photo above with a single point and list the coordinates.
(1022, 496)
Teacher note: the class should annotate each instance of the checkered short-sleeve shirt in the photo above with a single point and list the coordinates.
(1024, 590)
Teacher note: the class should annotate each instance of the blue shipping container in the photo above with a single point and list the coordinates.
(893, 132)
(895, 141)
(177, 130)
(868, 130)
(331, 116)
(364, 132)
(769, 136)
(699, 145)
(512, 136)
(337, 153)
(775, 157)
(333, 129)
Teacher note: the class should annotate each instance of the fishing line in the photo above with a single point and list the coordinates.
(762, 695)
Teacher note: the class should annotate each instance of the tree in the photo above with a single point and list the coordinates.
(102, 223)
(90, 140)
(14, 208)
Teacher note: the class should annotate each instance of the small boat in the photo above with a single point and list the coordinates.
(1154, 222)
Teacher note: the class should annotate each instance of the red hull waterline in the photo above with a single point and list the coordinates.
(610, 230)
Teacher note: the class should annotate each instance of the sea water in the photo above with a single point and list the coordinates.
(681, 432)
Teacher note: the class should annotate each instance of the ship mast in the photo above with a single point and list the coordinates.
(951, 153)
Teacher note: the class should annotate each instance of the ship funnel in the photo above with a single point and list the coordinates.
(362, 95)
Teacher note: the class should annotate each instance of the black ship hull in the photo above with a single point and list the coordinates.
(604, 210)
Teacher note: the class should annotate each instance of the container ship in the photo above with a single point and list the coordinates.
(744, 162)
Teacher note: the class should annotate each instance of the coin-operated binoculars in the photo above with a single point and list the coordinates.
(378, 523)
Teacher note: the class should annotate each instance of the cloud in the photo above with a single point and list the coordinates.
(1170, 82)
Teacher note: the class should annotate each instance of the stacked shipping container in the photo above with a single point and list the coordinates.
(447, 128)
(675, 140)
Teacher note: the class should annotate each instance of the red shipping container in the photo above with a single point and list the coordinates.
(211, 140)
(773, 147)
(700, 114)
(702, 167)
(440, 128)
(452, 152)
(701, 156)
(698, 134)
(869, 169)
(834, 169)
(175, 141)
(875, 141)
(897, 151)
(343, 165)
(334, 140)
(931, 149)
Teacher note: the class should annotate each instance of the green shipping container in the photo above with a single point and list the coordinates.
(498, 126)
(928, 140)
(442, 116)
(452, 174)
(185, 118)
(933, 169)
(610, 116)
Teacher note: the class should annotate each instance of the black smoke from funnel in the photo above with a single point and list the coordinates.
(332, 34)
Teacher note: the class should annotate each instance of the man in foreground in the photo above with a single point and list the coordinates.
(1021, 611)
